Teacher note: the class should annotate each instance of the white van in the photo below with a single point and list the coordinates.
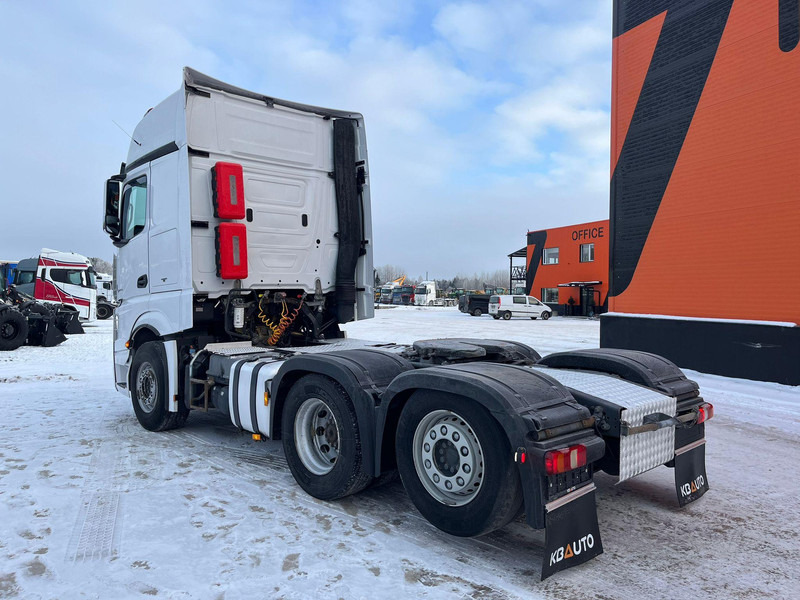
(518, 306)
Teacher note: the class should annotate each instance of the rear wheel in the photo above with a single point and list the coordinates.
(495, 317)
(506, 316)
(13, 329)
(321, 439)
(477, 312)
(545, 315)
(456, 464)
(150, 390)
(533, 318)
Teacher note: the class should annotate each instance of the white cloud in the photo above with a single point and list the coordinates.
(489, 119)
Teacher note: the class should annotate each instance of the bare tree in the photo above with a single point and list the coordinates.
(100, 265)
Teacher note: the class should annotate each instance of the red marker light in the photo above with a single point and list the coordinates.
(705, 412)
(565, 459)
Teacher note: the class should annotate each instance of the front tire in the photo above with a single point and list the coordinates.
(13, 329)
(456, 464)
(150, 390)
(321, 439)
(545, 315)
(104, 311)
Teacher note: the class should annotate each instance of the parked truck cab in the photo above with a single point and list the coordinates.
(60, 278)
(425, 293)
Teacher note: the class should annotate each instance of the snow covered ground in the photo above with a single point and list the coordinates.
(93, 506)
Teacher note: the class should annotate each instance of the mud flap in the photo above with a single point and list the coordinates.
(691, 480)
(572, 535)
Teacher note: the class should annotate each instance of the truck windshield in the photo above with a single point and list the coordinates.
(422, 290)
(23, 277)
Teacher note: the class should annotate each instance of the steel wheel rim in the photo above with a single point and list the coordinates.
(316, 436)
(146, 387)
(8, 331)
(448, 458)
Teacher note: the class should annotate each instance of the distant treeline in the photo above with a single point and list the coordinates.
(476, 281)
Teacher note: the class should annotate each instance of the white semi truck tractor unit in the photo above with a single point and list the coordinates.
(244, 240)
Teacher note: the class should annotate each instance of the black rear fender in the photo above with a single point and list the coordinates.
(650, 370)
(364, 374)
(535, 412)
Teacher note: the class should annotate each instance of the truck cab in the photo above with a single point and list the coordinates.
(60, 278)
(425, 293)
(241, 213)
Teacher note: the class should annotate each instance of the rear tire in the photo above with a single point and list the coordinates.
(495, 317)
(150, 390)
(506, 316)
(477, 312)
(465, 482)
(13, 329)
(321, 439)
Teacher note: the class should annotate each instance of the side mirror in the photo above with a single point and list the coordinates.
(111, 218)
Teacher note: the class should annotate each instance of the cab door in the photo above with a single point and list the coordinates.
(133, 257)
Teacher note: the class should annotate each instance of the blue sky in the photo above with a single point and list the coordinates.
(484, 119)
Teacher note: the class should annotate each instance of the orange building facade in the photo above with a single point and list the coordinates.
(567, 267)
(705, 185)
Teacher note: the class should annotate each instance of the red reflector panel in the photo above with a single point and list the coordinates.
(705, 412)
(227, 190)
(565, 459)
(231, 242)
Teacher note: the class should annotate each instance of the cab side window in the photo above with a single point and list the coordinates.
(70, 276)
(134, 208)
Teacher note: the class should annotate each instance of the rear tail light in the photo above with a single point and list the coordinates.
(565, 459)
(231, 245)
(705, 412)
(227, 191)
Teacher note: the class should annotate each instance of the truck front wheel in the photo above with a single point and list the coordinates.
(149, 390)
(104, 310)
(456, 464)
(321, 439)
(13, 329)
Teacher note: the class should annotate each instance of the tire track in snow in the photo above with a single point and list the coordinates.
(97, 534)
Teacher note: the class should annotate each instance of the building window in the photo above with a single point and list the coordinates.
(550, 295)
(587, 252)
(550, 256)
